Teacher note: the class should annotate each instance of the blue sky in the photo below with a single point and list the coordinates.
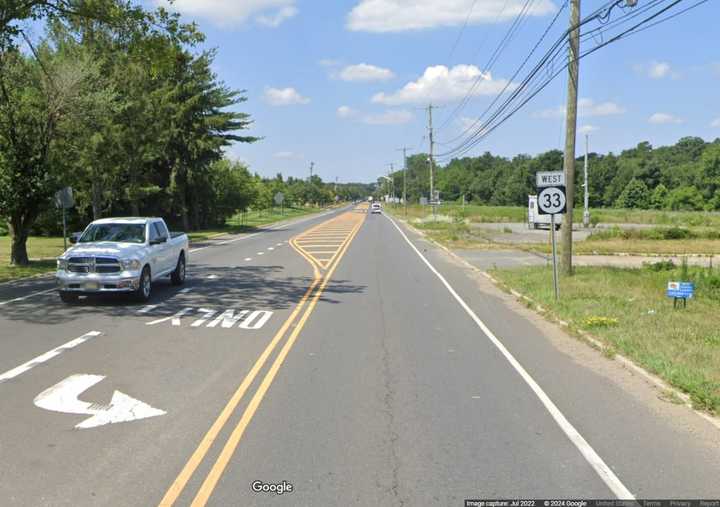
(343, 83)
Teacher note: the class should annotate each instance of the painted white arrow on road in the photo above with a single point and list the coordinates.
(63, 397)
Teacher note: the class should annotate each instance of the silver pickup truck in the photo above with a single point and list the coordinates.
(121, 255)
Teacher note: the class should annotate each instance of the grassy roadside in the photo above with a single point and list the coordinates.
(498, 214)
(251, 220)
(43, 250)
(457, 231)
(638, 247)
(627, 310)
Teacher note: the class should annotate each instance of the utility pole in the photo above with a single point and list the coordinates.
(586, 211)
(432, 161)
(312, 164)
(570, 129)
(392, 181)
(404, 150)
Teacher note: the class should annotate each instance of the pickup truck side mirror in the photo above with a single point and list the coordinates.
(74, 237)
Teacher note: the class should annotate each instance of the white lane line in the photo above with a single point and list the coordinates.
(592, 457)
(248, 259)
(213, 277)
(279, 244)
(47, 356)
(271, 248)
(185, 291)
(147, 309)
(261, 253)
(26, 297)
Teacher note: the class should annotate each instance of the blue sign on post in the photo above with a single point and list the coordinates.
(680, 290)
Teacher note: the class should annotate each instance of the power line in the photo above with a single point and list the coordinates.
(597, 13)
(462, 30)
(493, 123)
(493, 58)
(527, 58)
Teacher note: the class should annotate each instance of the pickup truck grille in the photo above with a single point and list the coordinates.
(93, 265)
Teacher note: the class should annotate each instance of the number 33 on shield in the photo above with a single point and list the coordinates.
(551, 200)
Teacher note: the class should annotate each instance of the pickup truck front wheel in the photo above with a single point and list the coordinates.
(142, 294)
(178, 276)
(68, 297)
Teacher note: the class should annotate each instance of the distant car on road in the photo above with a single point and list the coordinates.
(121, 255)
(376, 208)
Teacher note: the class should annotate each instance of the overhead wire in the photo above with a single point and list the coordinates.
(492, 124)
(502, 45)
(550, 55)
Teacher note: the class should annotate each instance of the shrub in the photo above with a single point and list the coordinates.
(667, 265)
(594, 321)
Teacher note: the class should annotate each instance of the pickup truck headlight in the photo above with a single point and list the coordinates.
(130, 264)
(62, 263)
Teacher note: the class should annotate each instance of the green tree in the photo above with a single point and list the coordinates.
(635, 195)
(686, 199)
(35, 101)
(658, 198)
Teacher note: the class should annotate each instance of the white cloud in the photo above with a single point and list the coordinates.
(439, 84)
(664, 119)
(586, 129)
(346, 112)
(365, 72)
(586, 108)
(288, 155)
(274, 20)
(656, 70)
(284, 97)
(390, 117)
(400, 15)
(233, 12)
(715, 123)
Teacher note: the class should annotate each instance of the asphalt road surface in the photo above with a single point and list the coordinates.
(338, 359)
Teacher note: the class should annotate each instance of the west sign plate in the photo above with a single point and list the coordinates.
(550, 179)
(551, 200)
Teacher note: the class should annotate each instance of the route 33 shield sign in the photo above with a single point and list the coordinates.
(552, 201)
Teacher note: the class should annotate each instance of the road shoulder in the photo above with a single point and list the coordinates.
(628, 411)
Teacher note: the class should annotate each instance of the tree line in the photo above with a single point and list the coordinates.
(684, 176)
(119, 103)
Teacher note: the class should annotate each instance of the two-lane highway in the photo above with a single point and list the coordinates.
(342, 360)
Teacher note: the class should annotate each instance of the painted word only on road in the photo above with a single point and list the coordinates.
(210, 318)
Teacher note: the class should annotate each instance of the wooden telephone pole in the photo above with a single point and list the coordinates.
(570, 133)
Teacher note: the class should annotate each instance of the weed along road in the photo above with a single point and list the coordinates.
(339, 359)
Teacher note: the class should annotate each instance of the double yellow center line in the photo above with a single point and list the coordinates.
(341, 230)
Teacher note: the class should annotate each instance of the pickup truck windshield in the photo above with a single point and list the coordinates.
(121, 233)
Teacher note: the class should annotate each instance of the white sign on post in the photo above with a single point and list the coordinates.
(550, 179)
(552, 201)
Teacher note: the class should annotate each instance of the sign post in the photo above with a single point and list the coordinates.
(279, 200)
(552, 201)
(64, 200)
(680, 291)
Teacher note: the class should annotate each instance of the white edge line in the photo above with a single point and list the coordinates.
(28, 296)
(42, 358)
(604, 471)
